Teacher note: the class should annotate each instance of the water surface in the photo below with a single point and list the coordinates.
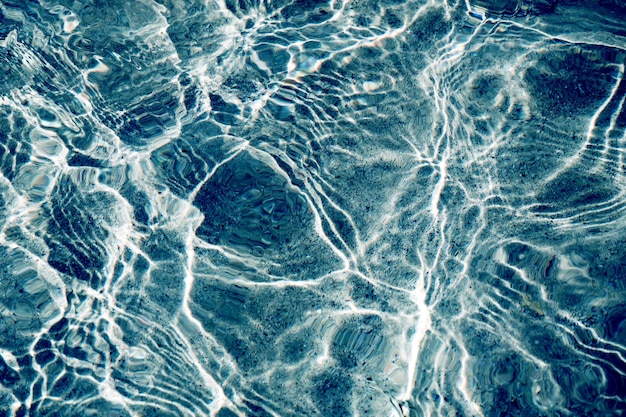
(312, 208)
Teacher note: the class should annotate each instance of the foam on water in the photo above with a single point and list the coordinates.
(392, 208)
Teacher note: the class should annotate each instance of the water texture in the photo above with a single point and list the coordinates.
(396, 208)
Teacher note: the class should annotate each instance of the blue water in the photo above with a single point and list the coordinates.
(312, 208)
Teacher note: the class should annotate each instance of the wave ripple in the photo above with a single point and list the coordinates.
(313, 208)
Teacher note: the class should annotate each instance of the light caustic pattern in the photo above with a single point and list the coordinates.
(360, 208)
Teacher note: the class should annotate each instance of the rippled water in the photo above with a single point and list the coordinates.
(311, 208)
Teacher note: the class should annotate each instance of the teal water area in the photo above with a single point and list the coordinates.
(312, 208)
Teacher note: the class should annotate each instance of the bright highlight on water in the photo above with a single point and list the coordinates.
(312, 208)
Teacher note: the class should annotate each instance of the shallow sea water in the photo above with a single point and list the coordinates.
(312, 208)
